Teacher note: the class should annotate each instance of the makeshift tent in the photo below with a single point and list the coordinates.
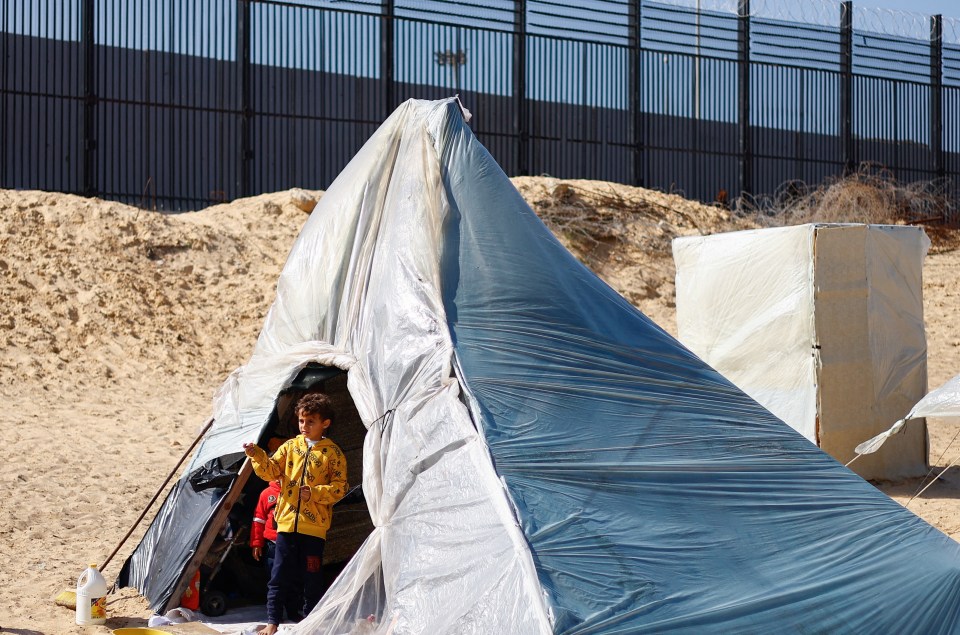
(540, 457)
(821, 324)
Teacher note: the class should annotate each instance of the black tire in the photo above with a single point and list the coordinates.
(213, 603)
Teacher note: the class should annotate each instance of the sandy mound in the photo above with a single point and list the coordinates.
(118, 324)
(624, 234)
(101, 291)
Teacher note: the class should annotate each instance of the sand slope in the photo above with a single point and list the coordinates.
(117, 325)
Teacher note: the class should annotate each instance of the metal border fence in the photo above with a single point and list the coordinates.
(177, 104)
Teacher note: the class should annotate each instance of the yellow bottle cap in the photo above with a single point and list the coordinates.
(93, 565)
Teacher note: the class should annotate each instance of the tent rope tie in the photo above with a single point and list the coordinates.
(156, 496)
(952, 463)
(930, 471)
(381, 418)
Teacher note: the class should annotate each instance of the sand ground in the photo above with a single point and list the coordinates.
(117, 325)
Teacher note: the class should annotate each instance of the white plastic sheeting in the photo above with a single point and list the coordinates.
(745, 306)
(942, 402)
(360, 291)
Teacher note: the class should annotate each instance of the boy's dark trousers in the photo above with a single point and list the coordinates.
(296, 569)
(293, 604)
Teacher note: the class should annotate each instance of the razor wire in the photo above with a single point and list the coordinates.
(891, 22)
(951, 31)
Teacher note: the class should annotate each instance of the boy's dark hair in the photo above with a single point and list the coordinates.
(316, 403)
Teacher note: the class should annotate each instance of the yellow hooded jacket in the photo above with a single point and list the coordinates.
(325, 472)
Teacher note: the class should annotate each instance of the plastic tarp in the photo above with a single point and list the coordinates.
(745, 305)
(171, 540)
(361, 291)
(942, 402)
(654, 495)
(898, 344)
(541, 457)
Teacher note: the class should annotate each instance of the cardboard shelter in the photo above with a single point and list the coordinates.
(539, 457)
(821, 324)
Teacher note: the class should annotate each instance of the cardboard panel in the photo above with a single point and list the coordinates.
(869, 326)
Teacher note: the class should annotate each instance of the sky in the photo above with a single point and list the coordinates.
(917, 6)
(930, 7)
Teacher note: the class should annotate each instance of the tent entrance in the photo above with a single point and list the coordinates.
(230, 577)
(351, 522)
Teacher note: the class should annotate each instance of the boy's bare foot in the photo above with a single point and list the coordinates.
(269, 629)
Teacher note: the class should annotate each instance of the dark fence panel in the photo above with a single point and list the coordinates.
(167, 128)
(176, 104)
(41, 143)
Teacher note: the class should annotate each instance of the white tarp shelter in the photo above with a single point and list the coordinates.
(821, 324)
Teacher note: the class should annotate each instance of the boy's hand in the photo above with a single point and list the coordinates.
(257, 551)
(305, 493)
(248, 448)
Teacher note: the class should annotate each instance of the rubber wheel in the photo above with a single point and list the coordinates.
(213, 603)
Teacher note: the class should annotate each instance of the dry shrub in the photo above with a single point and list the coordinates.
(579, 214)
(869, 195)
(942, 238)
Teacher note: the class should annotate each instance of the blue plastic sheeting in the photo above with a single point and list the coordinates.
(655, 495)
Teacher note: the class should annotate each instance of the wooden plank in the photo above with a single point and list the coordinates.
(210, 534)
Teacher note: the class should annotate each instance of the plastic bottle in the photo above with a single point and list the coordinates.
(91, 597)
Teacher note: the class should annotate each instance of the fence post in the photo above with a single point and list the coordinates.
(521, 121)
(387, 56)
(936, 95)
(4, 87)
(846, 87)
(88, 177)
(636, 97)
(246, 109)
(743, 94)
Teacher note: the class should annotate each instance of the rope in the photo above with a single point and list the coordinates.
(952, 463)
(380, 418)
(930, 471)
(898, 426)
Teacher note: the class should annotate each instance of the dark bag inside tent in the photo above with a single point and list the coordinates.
(222, 496)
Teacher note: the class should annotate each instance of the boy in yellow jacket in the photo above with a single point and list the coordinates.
(313, 476)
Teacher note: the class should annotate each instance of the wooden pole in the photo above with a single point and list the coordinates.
(157, 495)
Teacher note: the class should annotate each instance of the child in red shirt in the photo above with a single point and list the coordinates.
(264, 529)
